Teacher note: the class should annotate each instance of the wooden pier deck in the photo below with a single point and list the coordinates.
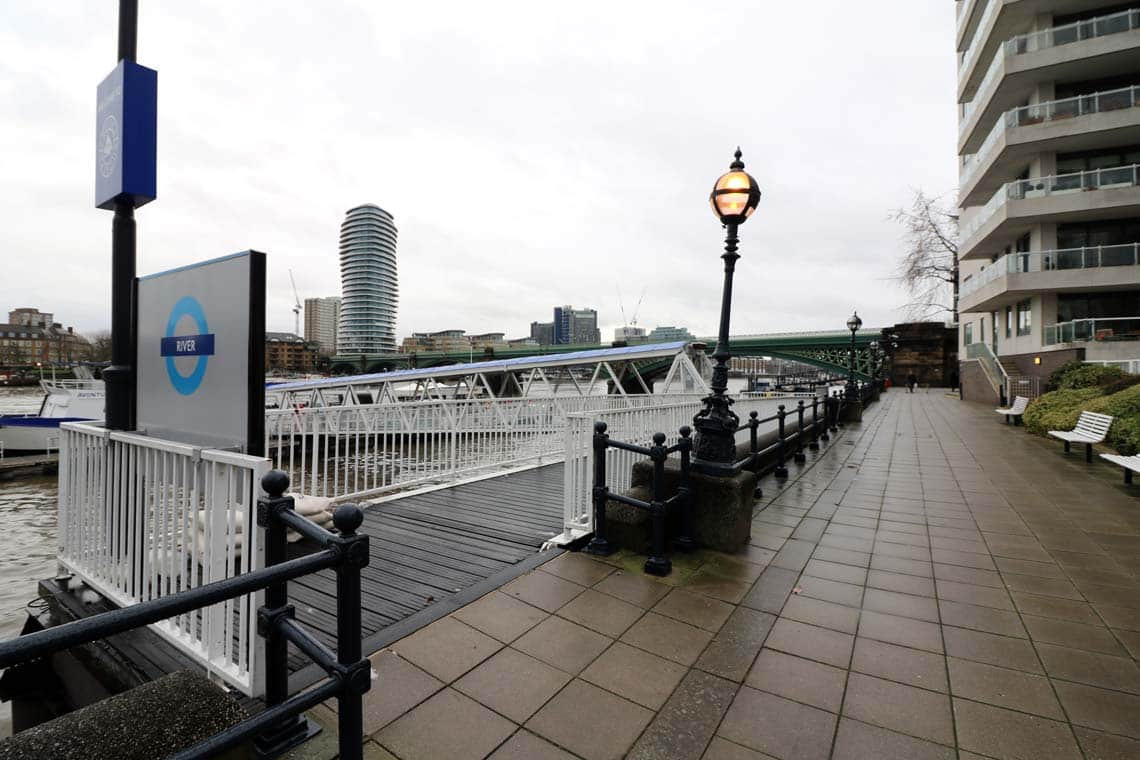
(430, 553)
(32, 464)
(434, 551)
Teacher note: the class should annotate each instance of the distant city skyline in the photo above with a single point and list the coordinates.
(557, 162)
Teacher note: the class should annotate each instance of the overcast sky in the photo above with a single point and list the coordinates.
(533, 154)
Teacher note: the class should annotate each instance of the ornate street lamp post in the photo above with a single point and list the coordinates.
(853, 324)
(733, 199)
(876, 362)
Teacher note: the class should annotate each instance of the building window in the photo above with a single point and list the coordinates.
(968, 333)
(1008, 321)
(1024, 317)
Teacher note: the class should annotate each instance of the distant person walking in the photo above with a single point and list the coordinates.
(911, 383)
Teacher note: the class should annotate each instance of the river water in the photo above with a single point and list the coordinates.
(27, 525)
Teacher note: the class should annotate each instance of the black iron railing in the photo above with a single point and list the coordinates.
(657, 563)
(808, 434)
(281, 725)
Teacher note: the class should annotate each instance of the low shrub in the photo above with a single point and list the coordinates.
(1124, 406)
(1057, 410)
(1090, 376)
(1123, 383)
(1125, 435)
(1058, 375)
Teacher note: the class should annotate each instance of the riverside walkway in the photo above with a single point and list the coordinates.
(934, 584)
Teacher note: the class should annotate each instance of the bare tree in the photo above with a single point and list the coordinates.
(928, 269)
(100, 346)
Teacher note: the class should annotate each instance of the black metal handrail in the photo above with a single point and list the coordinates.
(658, 563)
(281, 725)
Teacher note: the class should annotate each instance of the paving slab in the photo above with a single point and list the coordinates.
(932, 584)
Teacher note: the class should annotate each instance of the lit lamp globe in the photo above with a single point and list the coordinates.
(735, 194)
(854, 323)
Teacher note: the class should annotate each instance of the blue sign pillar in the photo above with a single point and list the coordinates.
(126, 119)
(125, 157)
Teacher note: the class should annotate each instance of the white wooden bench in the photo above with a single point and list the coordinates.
(1091, 428)
(1130, 464)
(1015, 410)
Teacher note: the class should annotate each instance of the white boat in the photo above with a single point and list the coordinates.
(65, 401)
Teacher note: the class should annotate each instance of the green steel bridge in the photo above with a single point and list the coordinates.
(825, 350)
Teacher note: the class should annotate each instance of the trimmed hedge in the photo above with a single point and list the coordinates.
(1057, 410)
(1090, 376)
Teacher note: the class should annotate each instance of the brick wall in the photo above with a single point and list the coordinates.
(927, 349)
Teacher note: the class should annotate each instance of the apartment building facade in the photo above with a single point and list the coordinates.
(322, 321)
(1049, 188)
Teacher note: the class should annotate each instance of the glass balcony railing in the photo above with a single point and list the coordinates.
(1048, 111)
(1101, 26)
(1087, 330)
(1059, 184)
(979, 39)
(1091, 257)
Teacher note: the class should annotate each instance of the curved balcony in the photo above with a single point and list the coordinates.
(1089, 49)
(1015, 275)
(1078, 196)
(1084, 122)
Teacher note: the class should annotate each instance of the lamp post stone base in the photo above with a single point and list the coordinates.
(851, 411)
(722, 507)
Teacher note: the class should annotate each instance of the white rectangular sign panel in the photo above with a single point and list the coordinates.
(201, 360)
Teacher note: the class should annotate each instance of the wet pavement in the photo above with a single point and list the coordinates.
(933, 584)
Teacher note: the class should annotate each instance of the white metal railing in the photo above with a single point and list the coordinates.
(1050, 110)
(366, 450)
(1028, 386)
(1062, 259)
(1085, 330)
(141, 518)
(1057, 184)
(1077, 31)
(635, 426)
(1131, 366)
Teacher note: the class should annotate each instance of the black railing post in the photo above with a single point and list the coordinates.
(781, 470)
(658, 563)
(685, 542)
(599, 544)
(833, 405)
(754, 444)
(825, 425)
(295, 729)
(354, 671)
(753, 437)
(814, 445)
(800, 457)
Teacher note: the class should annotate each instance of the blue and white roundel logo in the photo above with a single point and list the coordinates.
(199, 344)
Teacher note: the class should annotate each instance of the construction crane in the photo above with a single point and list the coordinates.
(296, 307)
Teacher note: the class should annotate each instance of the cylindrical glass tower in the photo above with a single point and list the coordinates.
(369, 293)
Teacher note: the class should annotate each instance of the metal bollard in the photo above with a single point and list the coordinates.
(658, 563)
(800, 456)
(781, 470)
(599, 544)
(685, 542)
